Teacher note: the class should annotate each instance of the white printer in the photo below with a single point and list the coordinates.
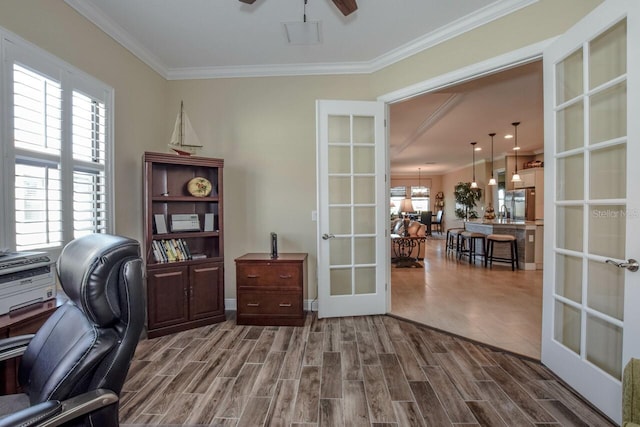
(25, 278)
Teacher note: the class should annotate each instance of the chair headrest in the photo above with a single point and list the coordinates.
(89, 272)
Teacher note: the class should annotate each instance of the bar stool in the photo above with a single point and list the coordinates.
(453, 239)
(502, 238)
(468, 241)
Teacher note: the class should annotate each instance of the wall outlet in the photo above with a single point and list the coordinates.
(314, 215)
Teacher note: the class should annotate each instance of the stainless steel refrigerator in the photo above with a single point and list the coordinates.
(521, 204)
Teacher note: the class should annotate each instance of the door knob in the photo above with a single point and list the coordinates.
(326, 236)
(631, 264)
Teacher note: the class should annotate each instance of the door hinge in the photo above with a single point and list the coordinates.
(386, 286)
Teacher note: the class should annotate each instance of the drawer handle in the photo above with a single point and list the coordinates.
(285, 305)
(286, 276)
(252, 276)
(253, 304)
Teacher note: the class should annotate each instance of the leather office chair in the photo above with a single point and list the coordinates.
(72, 370)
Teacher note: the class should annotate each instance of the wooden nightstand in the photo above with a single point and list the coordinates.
(269, 291)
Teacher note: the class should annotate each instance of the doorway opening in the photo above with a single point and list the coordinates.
(429, 140)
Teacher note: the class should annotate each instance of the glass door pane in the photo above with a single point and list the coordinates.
(352, 204)
(590, 213)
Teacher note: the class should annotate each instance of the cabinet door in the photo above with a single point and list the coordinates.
(207, 290)
(167, 296)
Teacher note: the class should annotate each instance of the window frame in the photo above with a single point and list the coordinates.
(14, 49)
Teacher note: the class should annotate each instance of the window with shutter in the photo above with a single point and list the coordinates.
(56, 151)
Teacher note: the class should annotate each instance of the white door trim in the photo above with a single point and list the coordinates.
(493, 65)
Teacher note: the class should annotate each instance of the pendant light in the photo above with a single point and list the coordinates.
(420, 191)
(516, 176)
(492, 181)
(474, 184)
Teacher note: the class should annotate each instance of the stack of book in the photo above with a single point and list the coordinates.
(171, 250)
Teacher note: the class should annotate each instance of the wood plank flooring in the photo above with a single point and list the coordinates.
(354, 371)
(495, 306)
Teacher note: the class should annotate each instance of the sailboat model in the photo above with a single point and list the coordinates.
(184, 140)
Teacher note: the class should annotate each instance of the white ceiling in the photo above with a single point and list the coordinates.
(184, 39)
(433, 132)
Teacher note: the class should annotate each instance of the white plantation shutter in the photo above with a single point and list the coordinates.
(38, 202)
(89, 155)
(57, 151)
(37, 130)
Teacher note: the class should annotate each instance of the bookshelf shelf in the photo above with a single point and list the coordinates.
(183, 293)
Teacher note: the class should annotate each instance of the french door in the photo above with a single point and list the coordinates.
(591, 318)
(352, 247)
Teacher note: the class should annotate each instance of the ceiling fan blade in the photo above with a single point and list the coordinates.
(346, 6)
(248, 1)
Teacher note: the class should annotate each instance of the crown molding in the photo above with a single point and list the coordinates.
(463, 25)
(481, 17)
(273, 70)
(119, 34)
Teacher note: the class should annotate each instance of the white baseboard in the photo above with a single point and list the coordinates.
(309, 305)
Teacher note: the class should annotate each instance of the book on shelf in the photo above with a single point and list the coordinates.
(170, 250)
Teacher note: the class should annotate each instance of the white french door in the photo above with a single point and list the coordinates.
(352, 250)
(591, 317)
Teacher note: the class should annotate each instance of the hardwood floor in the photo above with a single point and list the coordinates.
(354, 371)
(495, 306)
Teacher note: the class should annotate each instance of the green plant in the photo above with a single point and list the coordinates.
(466, 198)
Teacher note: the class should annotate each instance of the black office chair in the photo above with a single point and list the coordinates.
(72, 370)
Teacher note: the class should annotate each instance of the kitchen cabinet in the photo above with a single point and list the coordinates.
(534, 178)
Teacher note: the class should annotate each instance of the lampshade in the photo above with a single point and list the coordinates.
(492, 181)
(406, 205)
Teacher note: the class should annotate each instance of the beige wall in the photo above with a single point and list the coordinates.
(139, 91)
(264, 128)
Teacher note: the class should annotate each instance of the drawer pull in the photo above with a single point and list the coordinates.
(252, 276)
(285, 305)
(253, 304)
(286, 276)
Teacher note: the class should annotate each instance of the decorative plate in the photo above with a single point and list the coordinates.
(199, 187)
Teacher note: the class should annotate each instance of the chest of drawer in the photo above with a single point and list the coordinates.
(270, 291)
(270, 303)
(279, 275)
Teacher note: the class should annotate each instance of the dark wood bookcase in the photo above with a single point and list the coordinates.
(189, 293)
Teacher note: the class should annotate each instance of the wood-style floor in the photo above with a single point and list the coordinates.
(355, 371)
(495, 306)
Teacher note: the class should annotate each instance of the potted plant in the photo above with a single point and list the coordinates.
(466, 198)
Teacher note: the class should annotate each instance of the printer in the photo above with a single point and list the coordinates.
(25, 278)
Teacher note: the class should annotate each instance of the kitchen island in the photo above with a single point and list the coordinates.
(528, 234)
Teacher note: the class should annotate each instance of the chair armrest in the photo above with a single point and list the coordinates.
(54, 413)
(81, 405)
(14, 346)
(32, 415)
